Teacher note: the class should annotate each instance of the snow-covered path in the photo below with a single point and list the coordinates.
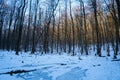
(58, 67)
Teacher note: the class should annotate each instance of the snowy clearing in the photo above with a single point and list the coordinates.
(57, 67)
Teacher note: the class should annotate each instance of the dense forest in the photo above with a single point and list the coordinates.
(67, 26)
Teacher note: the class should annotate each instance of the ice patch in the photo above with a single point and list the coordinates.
(35, 75)
(75, 74)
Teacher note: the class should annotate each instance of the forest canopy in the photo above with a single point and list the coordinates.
(60, 25)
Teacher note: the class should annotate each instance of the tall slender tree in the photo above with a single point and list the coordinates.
(94, 5)
(20, 25)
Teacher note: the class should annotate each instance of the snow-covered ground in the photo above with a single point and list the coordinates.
(58, 67)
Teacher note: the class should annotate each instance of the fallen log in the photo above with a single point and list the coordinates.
(17, 71)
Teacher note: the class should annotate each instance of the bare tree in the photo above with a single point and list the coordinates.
(27, 42)
(112, 10)
(2, 13)
(49, 15)
(73, 33)
(34, 27)
(20, 25)
(85, 26)
(12, 11)
(118, 10)
(94, 5)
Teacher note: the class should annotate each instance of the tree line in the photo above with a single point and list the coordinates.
(58, 25)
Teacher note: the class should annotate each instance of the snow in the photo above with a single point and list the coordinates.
(58, 67)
